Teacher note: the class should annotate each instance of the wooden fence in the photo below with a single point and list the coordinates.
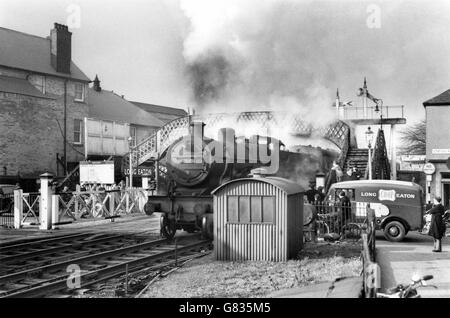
(371, 270)
(109, 204)
(69, 207)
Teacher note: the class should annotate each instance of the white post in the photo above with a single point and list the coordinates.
(370, 162)
(45, 207)
(428, 194)
(55, 210)
(18, 208)
(144, 182)
(131, 162)
(393, 153)
(112, 201)
(156, 176)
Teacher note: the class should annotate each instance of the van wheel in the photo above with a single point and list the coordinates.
(394, 231)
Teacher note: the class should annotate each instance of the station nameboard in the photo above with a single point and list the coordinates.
(141, 171)
(100, 172)
(412, 162)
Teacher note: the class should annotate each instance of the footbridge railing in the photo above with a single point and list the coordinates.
(154, 146)
(381, 168)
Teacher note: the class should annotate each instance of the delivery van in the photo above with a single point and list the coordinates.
(399, 205)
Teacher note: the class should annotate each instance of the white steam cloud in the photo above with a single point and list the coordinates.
(257, 55)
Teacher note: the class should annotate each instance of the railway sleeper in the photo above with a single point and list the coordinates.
(88, 278)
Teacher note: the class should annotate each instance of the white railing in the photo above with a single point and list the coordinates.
(371, 112)
(70, 207)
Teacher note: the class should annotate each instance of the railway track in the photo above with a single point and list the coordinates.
(60, 266)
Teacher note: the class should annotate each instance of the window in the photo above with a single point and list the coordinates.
(350, 193)
(133, 135)
(77, 129)
(40, 83)
(79, 92)
(251, 209)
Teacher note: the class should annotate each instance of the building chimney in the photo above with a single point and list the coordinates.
(61, 48)
(97, 86)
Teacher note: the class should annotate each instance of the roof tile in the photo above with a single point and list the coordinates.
(441, 99)
(32, 53)
(107, 105)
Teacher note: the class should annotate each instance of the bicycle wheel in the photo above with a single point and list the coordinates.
(322, 228)
(351, 230)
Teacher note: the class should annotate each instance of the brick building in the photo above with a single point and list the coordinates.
(437, 111)
(42, 99)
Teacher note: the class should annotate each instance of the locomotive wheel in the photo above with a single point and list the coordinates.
(168, 228)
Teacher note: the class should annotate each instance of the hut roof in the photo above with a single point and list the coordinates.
(288, 186)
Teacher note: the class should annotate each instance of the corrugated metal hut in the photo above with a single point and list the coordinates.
(258, 218)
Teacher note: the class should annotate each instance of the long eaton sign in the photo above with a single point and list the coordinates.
(387, 195)
(139, 171)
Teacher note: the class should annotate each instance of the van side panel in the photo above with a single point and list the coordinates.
(403, 202)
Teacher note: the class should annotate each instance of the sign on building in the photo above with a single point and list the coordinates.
(141, 171)
(440, 151)
(429, 168)
(412, 162)
(101, 172)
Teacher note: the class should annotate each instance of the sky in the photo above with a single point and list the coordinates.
(253, 54)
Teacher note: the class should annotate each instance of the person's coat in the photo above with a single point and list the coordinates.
(346, 207)
(437, 225)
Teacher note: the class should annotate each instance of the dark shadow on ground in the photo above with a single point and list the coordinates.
(324, 250)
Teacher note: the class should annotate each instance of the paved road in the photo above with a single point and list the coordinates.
(399, 261)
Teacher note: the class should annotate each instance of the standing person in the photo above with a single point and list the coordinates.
(337, 169)
(437, 226)
(345, 203)
(311, 193)
(356, 174)
(321, 193)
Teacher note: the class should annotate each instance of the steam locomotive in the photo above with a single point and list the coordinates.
(194, 165)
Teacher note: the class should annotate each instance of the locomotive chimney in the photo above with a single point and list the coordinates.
(61, 48)
(197, 129)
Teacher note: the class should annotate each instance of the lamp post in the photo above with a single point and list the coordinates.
(320, 179)
(369, 139)
(130, 144)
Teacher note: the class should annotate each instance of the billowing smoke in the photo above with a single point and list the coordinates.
(209, 75)
(257, 55)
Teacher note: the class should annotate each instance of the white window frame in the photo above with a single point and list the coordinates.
(134, 136)
(43, 81)
(80, 131)
(82, 92)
